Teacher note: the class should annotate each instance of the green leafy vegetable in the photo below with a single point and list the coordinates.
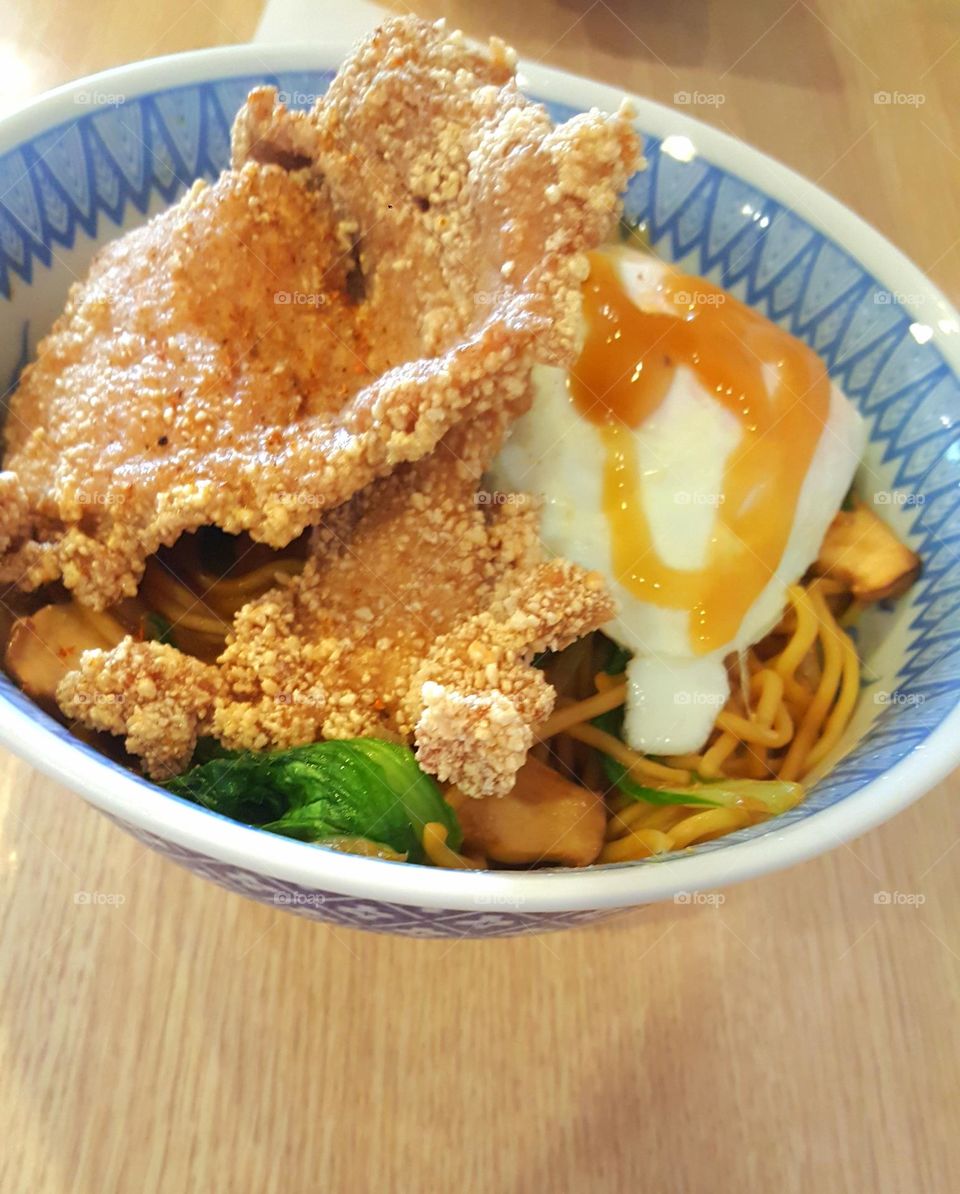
(157, 628)
(617, 660)
(774, 796)
(361, 788)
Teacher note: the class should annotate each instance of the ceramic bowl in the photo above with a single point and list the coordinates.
(91, 159)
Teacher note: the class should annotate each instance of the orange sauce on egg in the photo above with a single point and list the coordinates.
(625, 370)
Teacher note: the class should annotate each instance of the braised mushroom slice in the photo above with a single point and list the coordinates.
(46, 645)
(544, 818)
(865, 554)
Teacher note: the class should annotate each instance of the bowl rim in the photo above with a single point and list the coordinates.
(145, 807)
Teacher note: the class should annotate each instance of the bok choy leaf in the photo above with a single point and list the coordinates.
(360, 788)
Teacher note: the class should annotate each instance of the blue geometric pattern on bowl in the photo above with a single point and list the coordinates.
(60, 188)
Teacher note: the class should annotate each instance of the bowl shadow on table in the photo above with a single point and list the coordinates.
(770, 40)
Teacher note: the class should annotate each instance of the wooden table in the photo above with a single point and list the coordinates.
(799, 1037)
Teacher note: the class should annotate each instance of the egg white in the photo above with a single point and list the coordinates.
(674, 694)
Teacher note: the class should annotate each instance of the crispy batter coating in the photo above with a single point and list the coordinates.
(475, 697)
(13, 506)
(366, 276)
(415, 618)
(150, 694)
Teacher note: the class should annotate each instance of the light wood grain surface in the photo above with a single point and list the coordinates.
(798, 1036)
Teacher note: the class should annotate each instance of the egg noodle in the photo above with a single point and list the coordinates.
(200, 605)
(790, 705)
(791, 701)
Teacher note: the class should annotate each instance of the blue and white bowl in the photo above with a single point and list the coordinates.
(96, 157)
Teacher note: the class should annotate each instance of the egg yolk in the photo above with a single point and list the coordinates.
(625, 370)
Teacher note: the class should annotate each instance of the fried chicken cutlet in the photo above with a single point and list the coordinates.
(363, 278)
(415, 619)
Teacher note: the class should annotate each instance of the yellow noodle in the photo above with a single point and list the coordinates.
(714, 757)
(662, 816)
(640, 815)
(186, 619)
(625, 819)
(440, 854)
(640, 768)
(686, 762)
(802, 639)
(586, 710)
(754, 762)
(640, 844)
(770, 685)
(178, 604)
(842, 711)
(746, 730)
(261, 578)
(713, 822)
(794, 764)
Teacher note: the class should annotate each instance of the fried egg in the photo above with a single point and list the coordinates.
(695, 455)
